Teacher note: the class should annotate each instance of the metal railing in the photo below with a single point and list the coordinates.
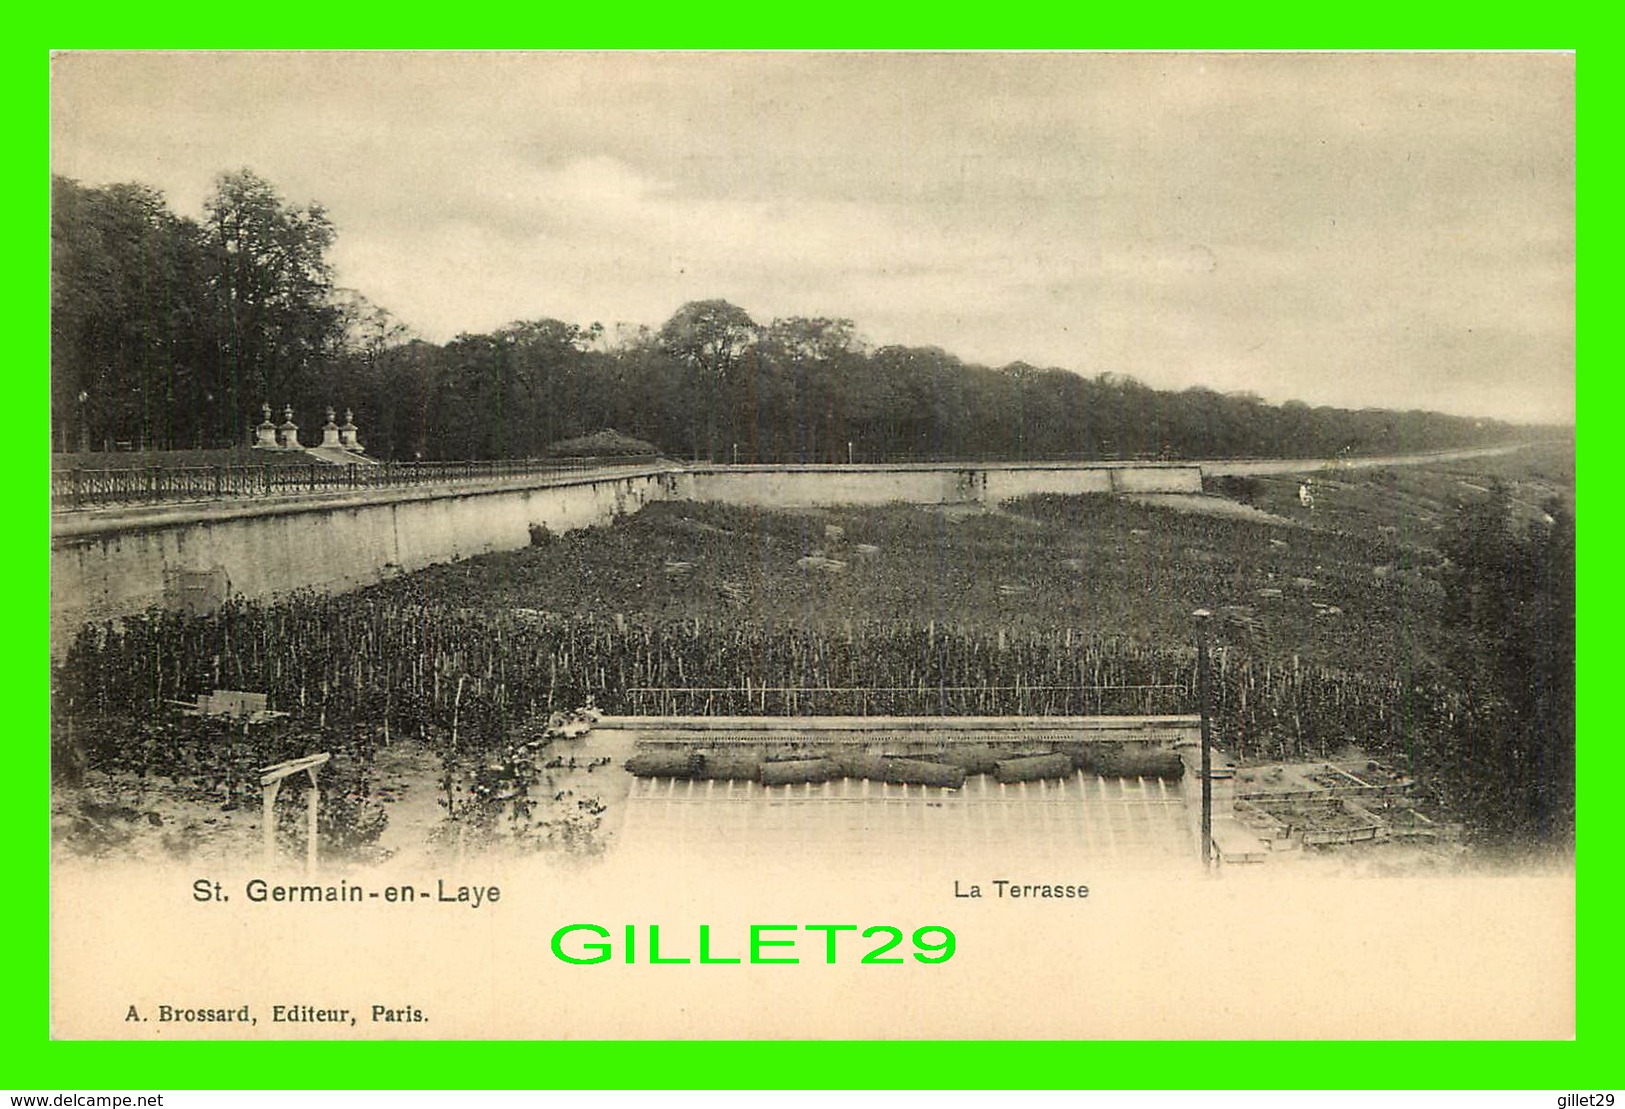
(93, 488)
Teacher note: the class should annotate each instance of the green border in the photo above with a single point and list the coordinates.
(34, 1062)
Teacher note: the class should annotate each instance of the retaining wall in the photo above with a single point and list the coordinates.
(825, 486)
(106, 565)
(116, 562)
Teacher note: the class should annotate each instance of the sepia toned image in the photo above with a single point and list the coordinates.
(812, 546)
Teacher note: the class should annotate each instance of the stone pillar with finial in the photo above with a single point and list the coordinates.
(265, 432)
(288, 433)
(330, 431)
(348, 432)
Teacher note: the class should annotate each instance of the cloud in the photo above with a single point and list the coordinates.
(1382, 227)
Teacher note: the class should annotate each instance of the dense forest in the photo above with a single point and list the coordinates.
(169, 332)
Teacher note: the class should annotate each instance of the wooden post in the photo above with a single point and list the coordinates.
(268, 818)
(315, 801)
(1202, 616)
(271, 777)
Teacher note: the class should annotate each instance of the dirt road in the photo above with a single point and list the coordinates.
(1249, 466)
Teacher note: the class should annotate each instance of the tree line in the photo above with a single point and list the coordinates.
(169, 332)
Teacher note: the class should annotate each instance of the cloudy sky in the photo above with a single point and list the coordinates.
(1392, 230)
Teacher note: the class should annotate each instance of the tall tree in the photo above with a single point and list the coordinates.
(805, 356)
(708, 338)
(125, 318)
(271, 291)
(370, 377)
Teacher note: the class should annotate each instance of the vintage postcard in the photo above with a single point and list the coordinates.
(584, 546)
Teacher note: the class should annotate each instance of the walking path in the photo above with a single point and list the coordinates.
(1236, 467)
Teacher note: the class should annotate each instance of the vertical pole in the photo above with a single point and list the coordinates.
(1202, 615)
(268, 819)
(310, 845)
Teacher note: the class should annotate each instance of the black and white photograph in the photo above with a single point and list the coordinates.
(884, 545)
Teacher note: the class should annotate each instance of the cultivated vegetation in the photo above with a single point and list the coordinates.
(1447, 649)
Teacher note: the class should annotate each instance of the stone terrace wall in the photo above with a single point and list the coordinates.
(114, 564)
(111, 563)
